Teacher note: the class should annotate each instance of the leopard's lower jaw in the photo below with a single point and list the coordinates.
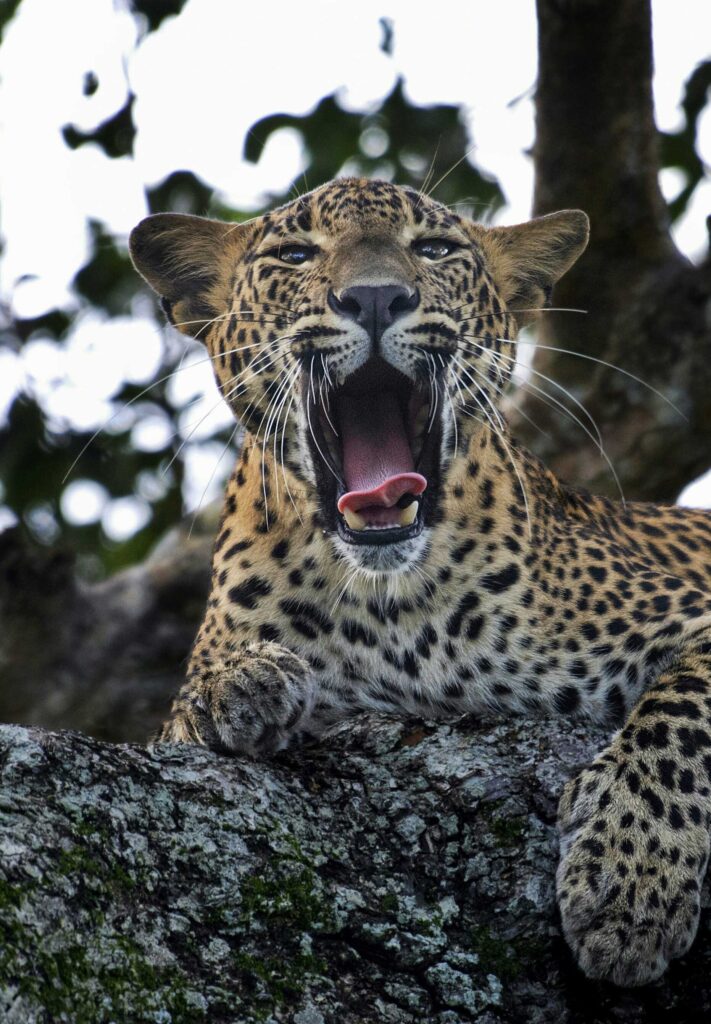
(393, 558)
(396, 536)
(358, 524)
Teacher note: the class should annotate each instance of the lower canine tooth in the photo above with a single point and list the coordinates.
(409, 514)
(355, 521)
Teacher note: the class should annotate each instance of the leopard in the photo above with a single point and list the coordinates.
(387, 546)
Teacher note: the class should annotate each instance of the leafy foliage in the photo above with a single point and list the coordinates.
(8, 9)
(678, 149)
(115, 135)
(425, 147)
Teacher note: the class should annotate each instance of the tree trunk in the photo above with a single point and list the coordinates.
(647, 306)
(400, 872)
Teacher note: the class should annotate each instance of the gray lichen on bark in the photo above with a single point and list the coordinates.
(399, 872)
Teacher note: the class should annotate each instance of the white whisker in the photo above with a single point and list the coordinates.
(549, 399)
(549, 380)
(352, 575)
(229, 441)
(601, 362)
(280, 382)
(283, 469)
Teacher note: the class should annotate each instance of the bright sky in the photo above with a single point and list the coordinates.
(202, 79)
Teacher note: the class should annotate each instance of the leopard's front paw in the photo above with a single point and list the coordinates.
(633, 857)
(250, 703)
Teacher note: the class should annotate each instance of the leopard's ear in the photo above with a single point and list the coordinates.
(526, 260)
(188, 261)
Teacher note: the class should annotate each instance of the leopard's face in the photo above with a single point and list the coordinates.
(379, 357)
(359, 334)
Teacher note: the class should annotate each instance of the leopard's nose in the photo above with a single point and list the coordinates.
(374, 307)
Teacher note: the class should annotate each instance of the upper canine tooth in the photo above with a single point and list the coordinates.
(409, 515)
(355, 521)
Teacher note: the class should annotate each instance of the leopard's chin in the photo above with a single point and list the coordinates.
(375, 444)
(385, 559)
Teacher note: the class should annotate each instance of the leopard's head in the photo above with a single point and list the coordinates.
(360, 334)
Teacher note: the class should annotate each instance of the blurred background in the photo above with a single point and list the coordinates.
(110, 425)
(114, 444)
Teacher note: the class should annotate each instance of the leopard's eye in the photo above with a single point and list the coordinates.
(434, 248)
(294, 254)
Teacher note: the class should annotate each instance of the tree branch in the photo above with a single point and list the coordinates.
(400, 872)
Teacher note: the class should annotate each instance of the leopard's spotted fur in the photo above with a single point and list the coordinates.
(515, 592)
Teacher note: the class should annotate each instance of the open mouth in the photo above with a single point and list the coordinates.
(376, 443)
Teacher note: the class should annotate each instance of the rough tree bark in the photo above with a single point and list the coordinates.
(649, 308)
(400, 873)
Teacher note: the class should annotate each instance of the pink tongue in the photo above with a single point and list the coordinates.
(377, 461)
